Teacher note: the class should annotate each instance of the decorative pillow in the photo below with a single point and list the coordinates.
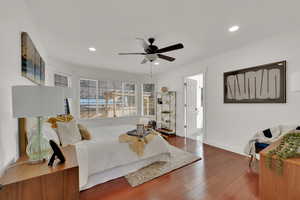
(84, 132)
(50, 133)
(267, 133)
(68, 132)
(62, 118)
(271, 133)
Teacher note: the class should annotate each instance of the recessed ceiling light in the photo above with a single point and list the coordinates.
(92, 49)
(156, 63)
(234, 28)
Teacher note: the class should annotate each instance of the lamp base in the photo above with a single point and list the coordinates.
(38, 148)
(35, 162)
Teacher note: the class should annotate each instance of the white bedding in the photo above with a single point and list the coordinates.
(105, 152)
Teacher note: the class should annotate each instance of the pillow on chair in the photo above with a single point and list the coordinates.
(272, 132)
(260, 146)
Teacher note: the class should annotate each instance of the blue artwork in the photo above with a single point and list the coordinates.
(33, 65)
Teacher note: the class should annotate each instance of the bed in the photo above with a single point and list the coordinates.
(104, 158)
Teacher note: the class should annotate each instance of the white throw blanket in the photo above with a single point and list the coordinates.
(277, 133)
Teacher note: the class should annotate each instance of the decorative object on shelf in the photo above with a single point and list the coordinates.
(37, 101)
(261, 84)
(57, 154)
(166, 112)
(33, 65)
(287, 148)
(164, 89)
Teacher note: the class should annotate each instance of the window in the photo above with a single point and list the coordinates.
(106, 99)
(129, 97)
(148, 93)
(88, 92)
(63, 81)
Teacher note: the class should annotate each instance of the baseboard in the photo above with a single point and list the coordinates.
(221, 146)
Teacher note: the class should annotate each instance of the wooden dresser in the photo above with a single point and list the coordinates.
(278, 187)
(29, 182)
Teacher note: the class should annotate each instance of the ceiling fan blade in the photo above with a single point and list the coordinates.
(144, 61)
(132, 53)
(170, 48)
(168, 58)
(143, 43)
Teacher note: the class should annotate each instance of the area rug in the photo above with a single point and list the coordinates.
(179, 158)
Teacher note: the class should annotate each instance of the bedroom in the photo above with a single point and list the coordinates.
(80, 42)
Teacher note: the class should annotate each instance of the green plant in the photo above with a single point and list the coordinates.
(288, 148)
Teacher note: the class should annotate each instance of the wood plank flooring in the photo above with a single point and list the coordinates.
(220, 175)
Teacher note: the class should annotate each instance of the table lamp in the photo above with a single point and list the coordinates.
(37, 101)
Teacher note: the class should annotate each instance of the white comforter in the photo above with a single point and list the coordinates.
(105, 151)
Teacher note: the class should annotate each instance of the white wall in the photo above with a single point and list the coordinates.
(14, 19)
(230, 126)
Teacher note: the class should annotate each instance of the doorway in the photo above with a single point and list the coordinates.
(194, 106)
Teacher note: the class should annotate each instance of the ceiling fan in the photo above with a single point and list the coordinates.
(152, 52)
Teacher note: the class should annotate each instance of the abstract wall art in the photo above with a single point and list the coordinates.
(33, 65)
(260, 84)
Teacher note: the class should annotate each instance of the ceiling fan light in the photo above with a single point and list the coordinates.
(234, 28)
(92, 49)
(156, 63)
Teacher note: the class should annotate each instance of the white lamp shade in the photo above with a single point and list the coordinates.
(37, 101)
(67, 92)
(295, 82)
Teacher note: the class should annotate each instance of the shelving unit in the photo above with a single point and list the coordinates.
(166, 112)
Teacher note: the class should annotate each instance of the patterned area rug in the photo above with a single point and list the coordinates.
(179, 158)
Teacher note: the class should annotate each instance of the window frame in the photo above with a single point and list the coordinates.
(97, 98)
(68, 101)
(142, 100)
(63, 74)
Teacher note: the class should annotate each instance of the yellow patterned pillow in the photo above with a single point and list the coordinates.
(61, 118)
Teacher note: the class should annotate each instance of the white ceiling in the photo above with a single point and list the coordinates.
(69, 27)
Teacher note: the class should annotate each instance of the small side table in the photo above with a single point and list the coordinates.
(39, 181)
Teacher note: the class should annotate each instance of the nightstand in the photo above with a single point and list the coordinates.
(24, 181)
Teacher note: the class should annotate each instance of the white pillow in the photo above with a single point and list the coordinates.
(68, 132)
(50, 133)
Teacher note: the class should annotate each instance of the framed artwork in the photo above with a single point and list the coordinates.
(33, 65)
(260, 84)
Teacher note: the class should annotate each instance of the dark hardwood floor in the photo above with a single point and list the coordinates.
(220, 175)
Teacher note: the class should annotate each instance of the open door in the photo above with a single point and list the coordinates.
(191, 110)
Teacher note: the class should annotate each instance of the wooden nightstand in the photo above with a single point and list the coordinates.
(28, 182)
(277, 187)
